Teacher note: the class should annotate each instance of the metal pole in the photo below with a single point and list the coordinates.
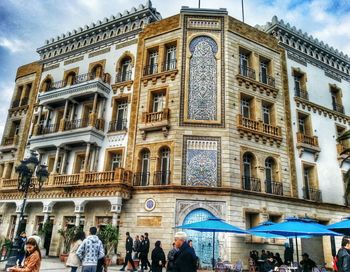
(296, 244)
(243, 11)
(199, 3)
(213, 262)
(14, 249)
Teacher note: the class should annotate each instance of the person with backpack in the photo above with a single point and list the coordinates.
(343, 255)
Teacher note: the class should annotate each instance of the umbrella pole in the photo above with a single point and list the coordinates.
(296, 244)
(213, 261)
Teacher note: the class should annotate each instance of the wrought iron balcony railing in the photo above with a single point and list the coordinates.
(301, 93)
(116, 125)
(338, 107)
(169, 65)
(150, 69)
(312, 194)
(273, 187)
(247, 72)
(251, 184)
(161, 178)
(141, 179)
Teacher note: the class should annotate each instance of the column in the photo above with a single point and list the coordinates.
(77, 219)
(92, 117)
(37, 125)
(64, 161)
(5, 170)
(92, 164)
(23, 94)
(71, 117)
(116, 208)
(115, 219)
(87, 153)
(56, 160)
(95, 161)
(62, 121)
(101, 109)
(78, 210)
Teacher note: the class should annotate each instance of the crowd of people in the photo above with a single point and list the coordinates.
(88, 252)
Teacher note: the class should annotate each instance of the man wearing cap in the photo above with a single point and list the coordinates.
(185, 260)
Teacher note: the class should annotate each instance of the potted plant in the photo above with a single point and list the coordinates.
(109, 236)
(67, 235)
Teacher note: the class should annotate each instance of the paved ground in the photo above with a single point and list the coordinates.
(54, 265)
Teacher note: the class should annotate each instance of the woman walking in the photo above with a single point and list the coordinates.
(32, 259)
(73, 260)
(158, 258)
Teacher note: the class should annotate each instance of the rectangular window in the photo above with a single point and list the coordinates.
(306, 183)
(170, 63)
(158, 102)
(126, 70)
(244, 63)
(121, 116)
(266, 114)
(116, 161)
(153, 62)
(264, 72)
(297, 83)
(336, 99)
(245, 108)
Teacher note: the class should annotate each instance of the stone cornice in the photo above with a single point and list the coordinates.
(129, 21)
(305, 104)
(229, 191)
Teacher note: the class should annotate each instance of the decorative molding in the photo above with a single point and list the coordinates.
(125, 44)
(73, 60)
(297, 58)
(332, 75)
(48, 68)
(315, 108)
(100, 52)
(256, 85)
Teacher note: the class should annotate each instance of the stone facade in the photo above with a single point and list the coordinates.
(180, 119)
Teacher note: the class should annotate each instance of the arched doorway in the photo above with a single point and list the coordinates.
(202, 241)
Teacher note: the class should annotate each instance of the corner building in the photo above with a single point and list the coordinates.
(176, 120)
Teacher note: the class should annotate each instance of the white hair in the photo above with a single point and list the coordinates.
(181, 235)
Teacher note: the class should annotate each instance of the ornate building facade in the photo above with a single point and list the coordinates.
(159, 122)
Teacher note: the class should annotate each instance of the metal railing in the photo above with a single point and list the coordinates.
(141, 179)
(338, 107)
(15, 103)
(123, 76)
(24, 101)
(266, 79)
(273, 187)
(301, 93)
(312, 194)
(150, 69)
(258, 126)
(75, 124)
(305, 139)
(50, 128)
(247, 72)
(169, 65)
(251, 184)
(161, 178)
(116, 125)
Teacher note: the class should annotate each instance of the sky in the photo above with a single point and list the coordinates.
(26, 24)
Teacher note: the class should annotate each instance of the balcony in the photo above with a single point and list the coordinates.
(9, 143)
(259, 129)
(308, 143)
(83, 179)
(82, 86)
(265, 84)
(274, 187)
(123, 80)
(68, 132)
(251, 184)
(141, 179)
(15, 103)
(312, 194)
(301, 93)
(154, 72)
(338, 108)
(161, 178)
(266, 79)
(116, 126)
(153, 121)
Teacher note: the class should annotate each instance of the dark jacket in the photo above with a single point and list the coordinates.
(158, 259)
(288, 255)
(171, 257)
(137, 244)
(128, 244)
(185, 261)
(143, 249)
(268, 265)
(147, 245)
(307, 265)
(343, 260)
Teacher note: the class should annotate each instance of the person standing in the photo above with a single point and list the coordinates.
(171, 257)
(288, 254)
(184, 259)
(147, 246)
(73, 260)
(158, 258)
(307, 264)
(142, 254)
(90, 251)
(32, 259)
(343, 255)
(136, 247)
(128, 257)
(21, 247)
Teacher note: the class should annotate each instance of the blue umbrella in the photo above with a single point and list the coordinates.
(342, 227)
(298, 227)
(213, 224)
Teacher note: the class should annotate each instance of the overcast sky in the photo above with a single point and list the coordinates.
(26, 24)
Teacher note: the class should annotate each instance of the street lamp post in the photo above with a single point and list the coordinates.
(27, 168)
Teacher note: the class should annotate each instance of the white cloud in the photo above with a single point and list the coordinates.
(13, 45)
(5, 98)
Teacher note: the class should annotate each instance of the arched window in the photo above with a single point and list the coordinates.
(142, 177)
(269, 169)
(126, 29)
(162, 176)
(78, 46)
(248, 178)
(70, 78)
(125, 69)
(133, 26)
(96, 71)
(104, 36)
(91, 40)
(47, 85)
(202, 94)
(141, 24)
(112, 33)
